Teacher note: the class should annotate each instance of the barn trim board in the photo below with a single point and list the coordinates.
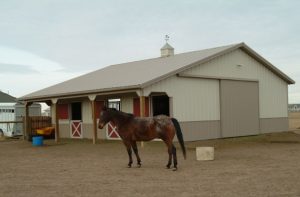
(205, 90)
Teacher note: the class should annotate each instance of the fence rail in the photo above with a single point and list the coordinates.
(3, 122)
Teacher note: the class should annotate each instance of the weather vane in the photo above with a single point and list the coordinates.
(167, 38)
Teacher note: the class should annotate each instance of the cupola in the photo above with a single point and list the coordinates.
(167, 50)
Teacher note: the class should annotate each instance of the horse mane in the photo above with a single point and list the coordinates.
(124, 115)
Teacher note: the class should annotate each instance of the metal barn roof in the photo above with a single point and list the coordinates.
(139, 74)
(6, 98)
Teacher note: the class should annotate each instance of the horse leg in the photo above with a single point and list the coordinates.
(170, 157)
(169, 145)
(129, 151)
(136, 152)
(174, 157)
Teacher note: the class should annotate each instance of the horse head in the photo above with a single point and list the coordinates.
(105, 117)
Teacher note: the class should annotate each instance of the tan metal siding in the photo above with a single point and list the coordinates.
(193, 99)
(272, 89)
(239, 108)
(101, 133)
(268, 125)
(87, 131)
(200, 130)
(64, 130)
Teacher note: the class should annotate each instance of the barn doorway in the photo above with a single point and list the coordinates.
(76, 120)
(160, 105)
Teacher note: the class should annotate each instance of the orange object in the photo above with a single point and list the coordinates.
(45, 131)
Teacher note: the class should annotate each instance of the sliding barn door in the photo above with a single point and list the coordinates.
(239, 108)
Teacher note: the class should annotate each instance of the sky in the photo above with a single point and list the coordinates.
(45, 42)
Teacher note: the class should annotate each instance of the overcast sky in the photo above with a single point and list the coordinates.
(44, 42)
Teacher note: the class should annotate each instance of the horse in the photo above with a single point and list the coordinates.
(132, 129)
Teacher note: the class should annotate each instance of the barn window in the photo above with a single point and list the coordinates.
(160, 105)
(115, 103)
(76, 111)
(63, 111)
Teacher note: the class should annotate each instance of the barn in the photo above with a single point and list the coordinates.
(219, 92)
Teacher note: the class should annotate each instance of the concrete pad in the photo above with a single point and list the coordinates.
(205, 153)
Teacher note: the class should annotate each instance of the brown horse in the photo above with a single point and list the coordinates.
(132, 129)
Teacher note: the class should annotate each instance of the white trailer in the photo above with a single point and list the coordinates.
(10, 112)
(7, 113)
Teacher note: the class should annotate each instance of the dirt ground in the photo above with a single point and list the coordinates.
(265, 165)
(294, 120)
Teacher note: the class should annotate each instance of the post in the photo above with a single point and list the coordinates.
(94, 117)
(26, 121)
(142, 111)
(93, 104)
(54, 101)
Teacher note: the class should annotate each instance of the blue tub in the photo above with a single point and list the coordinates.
(37, 141)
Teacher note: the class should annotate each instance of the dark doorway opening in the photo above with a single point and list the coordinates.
(160, 105)
(76, 111)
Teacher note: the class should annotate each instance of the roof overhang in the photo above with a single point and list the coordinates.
(100, 92)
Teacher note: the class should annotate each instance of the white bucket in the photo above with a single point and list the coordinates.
(205, 153)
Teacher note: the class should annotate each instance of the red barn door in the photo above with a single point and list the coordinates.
(137, 109)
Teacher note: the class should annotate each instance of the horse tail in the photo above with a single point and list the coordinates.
(179, 135)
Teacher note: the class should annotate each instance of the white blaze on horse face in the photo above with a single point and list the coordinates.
(103, 119)
(101, 122)
(100, 126)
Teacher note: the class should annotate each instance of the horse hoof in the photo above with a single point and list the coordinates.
(139, 165)
(167, 167)
(174, 169)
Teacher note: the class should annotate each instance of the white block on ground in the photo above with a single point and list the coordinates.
(205, 153)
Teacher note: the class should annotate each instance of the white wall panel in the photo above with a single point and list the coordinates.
(272, 89)
(86, 111)
(127, 104)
